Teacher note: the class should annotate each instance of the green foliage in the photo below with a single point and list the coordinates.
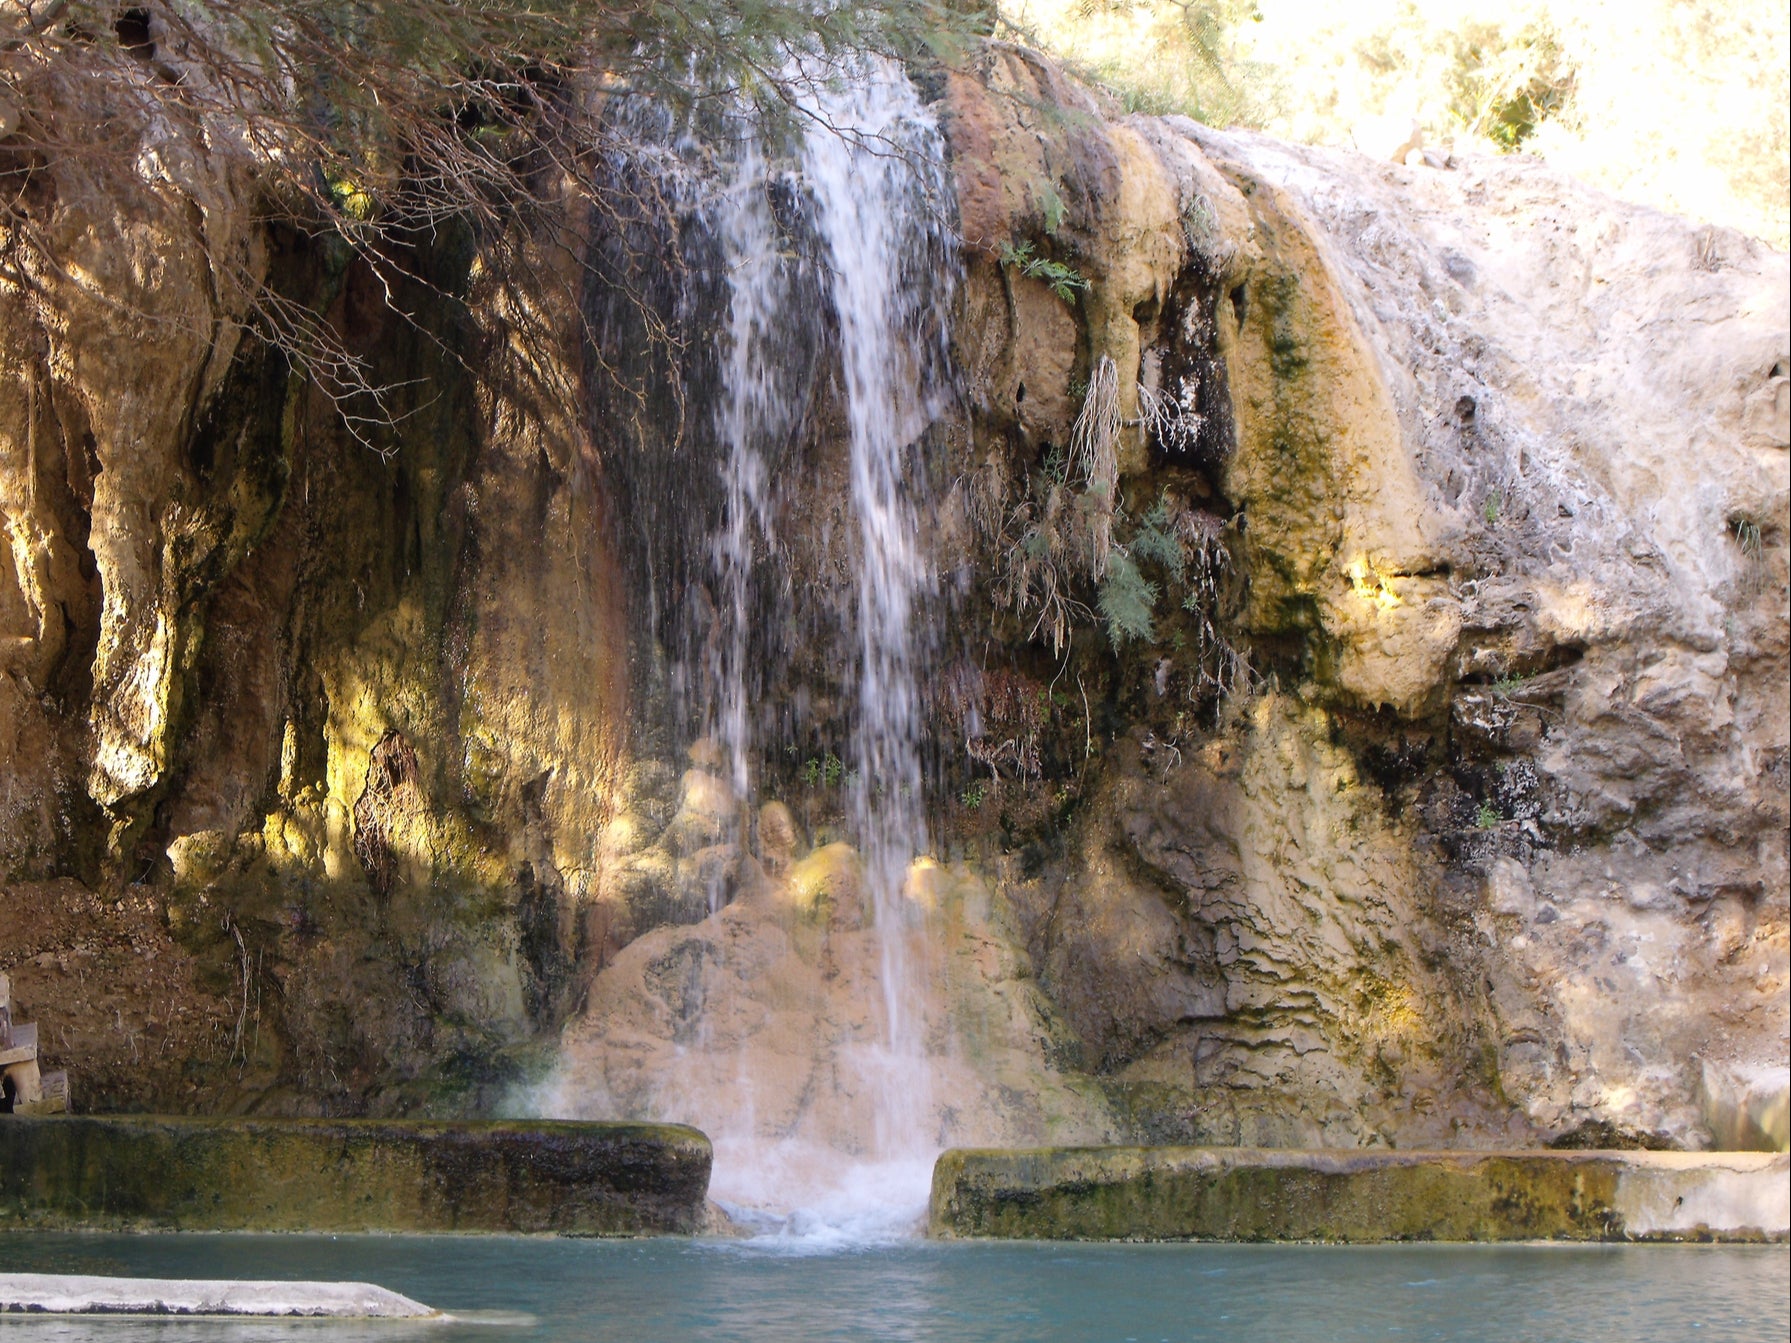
(1505, 87)
(1127, 601)
(1487, 817)
(1051, 202)
(1064, 281)
(1061, 538)
(1748, 536)
(1155, 540)
(825, 771)
(1490, 510)
(1509, 684)
(1164, 56)
(973, 796)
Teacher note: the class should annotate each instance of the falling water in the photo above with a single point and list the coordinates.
(876, 200)
(871, 167)
(754, 408)
(861, 236)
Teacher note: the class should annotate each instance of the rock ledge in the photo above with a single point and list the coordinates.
(1243, 1193)
(71, 1294)
(158, 1173)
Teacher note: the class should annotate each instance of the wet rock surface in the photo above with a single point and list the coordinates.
(1233, 1193)
(1487, 841)
(352, 1175)
(766, 1025)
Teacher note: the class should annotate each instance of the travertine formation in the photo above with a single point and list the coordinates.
(1238, 1193)
(1494, 846)
(151, 1173)
(73, 1294)
(1443, 801)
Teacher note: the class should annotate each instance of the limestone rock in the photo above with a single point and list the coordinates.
(778, 838)
(828, 886)
(765, 1025)
(1170, 1193)
(1495, 849)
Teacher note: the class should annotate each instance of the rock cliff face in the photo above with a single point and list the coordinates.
(1491, 843)
(306, 712)
(1365, 698)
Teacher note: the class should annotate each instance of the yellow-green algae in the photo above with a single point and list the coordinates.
(185, 1174)
(1260, 1194)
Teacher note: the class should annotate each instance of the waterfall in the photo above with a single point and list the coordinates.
(793, 1023)
(875, 181)
(754, 407)
(870, 164)
(830, 1013)
(870, 170)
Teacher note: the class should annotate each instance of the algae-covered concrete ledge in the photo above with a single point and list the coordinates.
(169, 1174)
(1256, 1194)
(71, 1294)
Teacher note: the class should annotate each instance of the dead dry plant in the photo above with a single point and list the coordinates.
(372, 128)
(1094, 456)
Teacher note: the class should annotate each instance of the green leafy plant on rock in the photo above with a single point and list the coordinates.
(1155, 540)
(1509, 684)
(1127, 600)
(1068, 535)
(1063, 280)
(824, 771)
(1747, 535)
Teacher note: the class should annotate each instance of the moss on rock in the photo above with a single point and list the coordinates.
(1235, 1193)
(160, 1173)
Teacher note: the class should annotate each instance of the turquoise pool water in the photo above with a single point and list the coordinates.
(788, 1292)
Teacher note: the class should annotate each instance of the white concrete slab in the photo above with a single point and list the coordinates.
(68, 1294)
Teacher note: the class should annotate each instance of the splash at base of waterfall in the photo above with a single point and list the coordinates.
(762, 1026)
(847, 1201)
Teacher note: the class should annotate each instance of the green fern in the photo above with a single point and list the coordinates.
(1127, 600)
(1063, 280)
(1156, 542)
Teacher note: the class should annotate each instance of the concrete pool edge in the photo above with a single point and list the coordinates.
(1267, 1194)
(160, 1173)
